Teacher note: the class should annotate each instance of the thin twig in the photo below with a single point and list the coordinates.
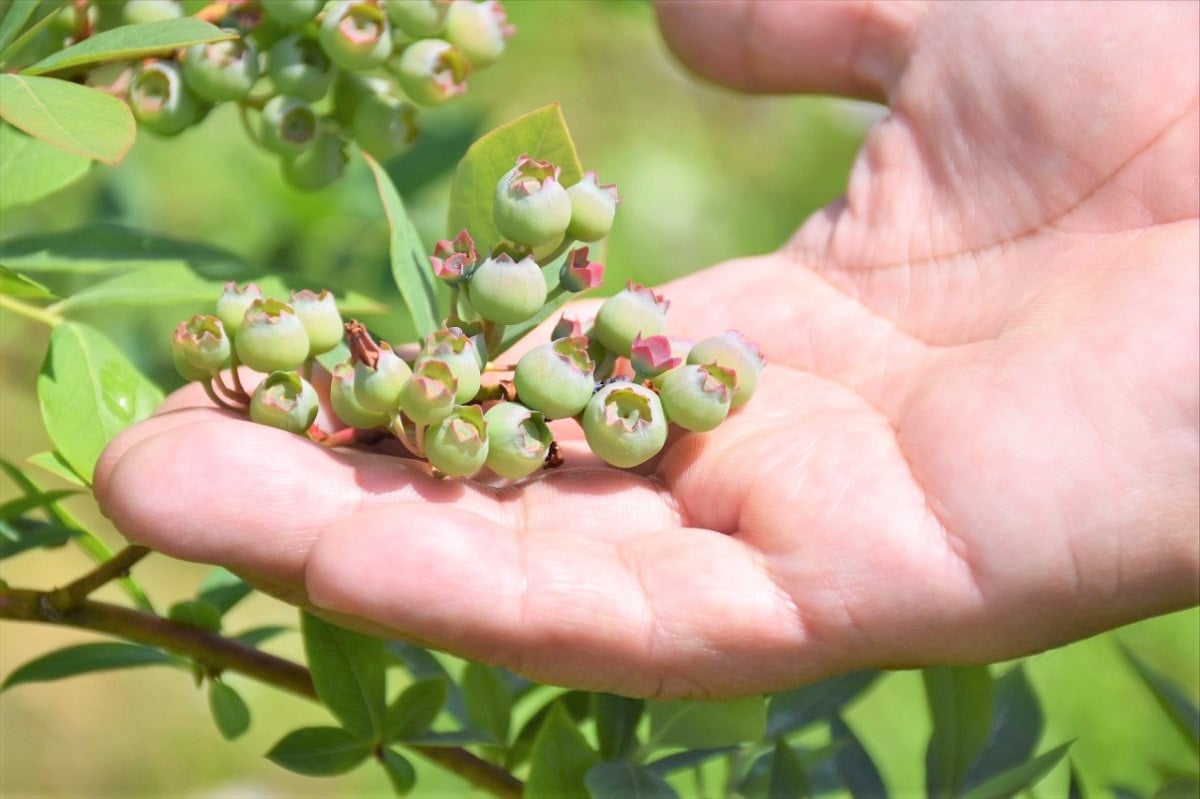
(64, 599)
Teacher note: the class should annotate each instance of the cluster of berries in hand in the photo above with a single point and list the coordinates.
(318, 74)
(621, 378)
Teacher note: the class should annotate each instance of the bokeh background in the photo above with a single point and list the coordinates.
(706, 174)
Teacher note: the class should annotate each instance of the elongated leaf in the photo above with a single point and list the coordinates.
(257, 636)
(454, 738)
(23, 534)
(421, 664)
(18, 14)
(689, 759)
(707, 724)
(854, 765)
(626, 780)
(414, 709)
(29, 34)
(960, 705)
(1184, 714)
(83, 659)
(400, 772)
(411, 270)
(89, 392)
(560, 761)
(1187, 787)
(542, 134)
(320, 751)
(229, 710)
(68, 116)
(1017, 779)
(54, 463)
(617, 720)
(19, 506)
(31, 170)
(102, 249)
(1016, 728)
(794, 710)
(578, 707)
(129, 42)
(1075, 789)
(200, 615)
(348, 673)
(489, 704)
(14, 284)
(222, 589)
(788, 778)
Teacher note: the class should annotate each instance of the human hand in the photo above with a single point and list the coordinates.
(976, 438)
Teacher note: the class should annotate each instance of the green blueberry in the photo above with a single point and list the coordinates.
(633, 311)
(592, 208)
(292, 14)
(697, 396)
(377, 388)
(428, 396)
(457, 350)
(141, 12)
(505, 291)
(530, 206)
(556, 378)
(384, 126)
(346, 405)
(479, 30)
(160, 100)
(233, 304)
(321, 319)
(356, 35)
(458, 445)
(418, 18)
(431, 71)
(271, 337)
(518, 440)
(288, 126)
(284, 400)
(624, 424)
(319, 165)
(202, 344)
(733, 351)
(299, 68)
(221, 71)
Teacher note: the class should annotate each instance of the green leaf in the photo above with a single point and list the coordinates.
(1017, 779)
(1016, 728)
(23, 534)
(411, 270)
(130, 42)
(853, 763)
(223, 589)
(626, 781)
(1182, 712)
(706, 724)
(578, 707)
(14, 284)
(54, 463)
(960, 706)
(30, 33)
(689, 759)
(200, 615)
(74, 118)
(489, 704)
(19, 506)
(85, 658)
(348, 673)
(617, 720)
(794, 710)
(414, 710)
(320, 751)
(1075, 789)
(452, 739)
(560, 761)
(787, 777)
(257, 636)
(102, 249)
(31, 170)
(229, 710)
(400, 772)
(1187, 787)
(89, 392)
(421, 664)
(18, 14)
(542, 134)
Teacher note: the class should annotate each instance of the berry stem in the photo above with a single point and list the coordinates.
(239, 391)
(218, 399)
(244, 115)
(46, 316)
(566, 244)
(493, 334)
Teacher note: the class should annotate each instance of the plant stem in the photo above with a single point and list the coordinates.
(216, 654)
(64, 600)
(43, 315)
(566, 244)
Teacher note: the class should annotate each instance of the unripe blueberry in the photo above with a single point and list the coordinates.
(531, 207)
(201, 343)
(356, 35)
(592, 208)
(319, 165)
(624, 424)
(506, 291)
(697, 396)
(221, 71)
(453, 260)
(479, 30)
(288, 126)
(431, 71)
(140, 12)
(556, 378)
(344, 403)
(518, 440)
(652, 355)
(455, 349)
(578, 273)
(377, 387)
(284, 400)
(292, 14)
(633, 310)
(733, 351)
(233, 304)
(185, 369)
(299, 68)
(428, 396)
(160, 100)
(321, 319)
(384, 126)
(271, 337)
(418, 18)
(458, 445)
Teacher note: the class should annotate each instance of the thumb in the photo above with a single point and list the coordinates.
(855, 48)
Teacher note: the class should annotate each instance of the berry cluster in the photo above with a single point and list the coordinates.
(319, 74)
(620, 377)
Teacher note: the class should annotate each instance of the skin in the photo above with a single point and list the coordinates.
(977, 439)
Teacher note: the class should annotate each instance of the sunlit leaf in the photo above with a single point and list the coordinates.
(689, 759)
(320, 751)
(74, 118)
(624, 780)
(31, 169)
(20, 535)
(222, 589)
(129, 42)
(560, 760)
(17, 15)
(414, 710)
(489, 704)
(1018, 778)
(400, 772)
(229, 710)
(19, 506)
(578, 707)
(960, 706)
(707, 724)
(54, 463)
(257, 636)
(86, 658)
(200, 615)
(1016, 728)
(853, 763)
(796, 709)
(1182, 712)
(617, 720)
(348, 673)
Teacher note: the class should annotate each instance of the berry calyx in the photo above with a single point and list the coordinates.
(159, 99)
(356, 35)
(556, 378)
(652, 355)
(233, 304)
(453, 260)
(428, 396)
(578, 273)
(457, 350)
(624, 424)
(221, 71)
(201, 345)
(733, 351)
(286, 401)
(530, 206)
(288, 126)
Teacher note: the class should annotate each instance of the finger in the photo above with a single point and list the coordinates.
(856, 49)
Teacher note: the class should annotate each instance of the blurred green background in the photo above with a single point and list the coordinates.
(706, 175)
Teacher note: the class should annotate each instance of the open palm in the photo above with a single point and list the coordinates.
(977, 435)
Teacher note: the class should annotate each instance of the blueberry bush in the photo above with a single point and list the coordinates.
(330, 100)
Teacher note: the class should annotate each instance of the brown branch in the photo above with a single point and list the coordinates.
(216, 653)
(63, 600)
